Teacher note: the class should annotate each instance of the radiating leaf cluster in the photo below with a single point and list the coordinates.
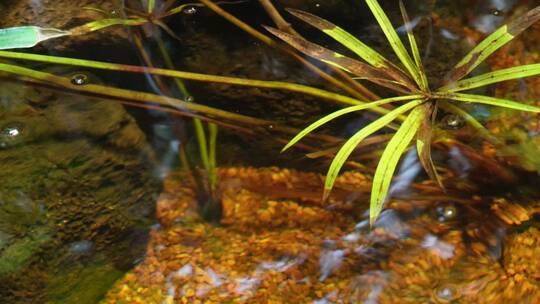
(420, 101)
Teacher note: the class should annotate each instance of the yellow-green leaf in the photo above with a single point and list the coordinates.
(492, 43)
(341, 112)
(389, 160)
(151, 6)
(212, 173)
(181, 8)
(349, 146)
(365, 52)
(103, 23)
(394, 40)
(493, 101)
(518, 72)
(414, 47)
(340, 35)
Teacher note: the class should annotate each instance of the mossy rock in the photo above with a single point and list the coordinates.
(74, 170)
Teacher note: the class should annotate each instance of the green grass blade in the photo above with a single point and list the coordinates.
(493, 101)
(151, 6)
(414, 47)
(97, 10)
(512, 73)
(394, 40)
(340, 35)
(492, 43)
(423, 142)
(201, 139)
(389, 160)
(181, 8)
(27, 36)
(104, 23)
(212, 173)
(349, 146)
(341, 112)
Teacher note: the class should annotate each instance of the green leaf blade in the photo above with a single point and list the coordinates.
(151, 6)
(27, 36)
(512, 73)
(345, 38)
(414, 47)
(341, 112)
(349, 146)
(389, 160)
(493, 101)
(492, 43)
(104, 23)
(393, 39)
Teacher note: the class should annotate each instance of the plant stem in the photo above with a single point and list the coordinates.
(293, 87)
(201, 139)
(212, 174)
(269, 41)
(207, 158)
(277, 18)
(164, 103)
(286, 27)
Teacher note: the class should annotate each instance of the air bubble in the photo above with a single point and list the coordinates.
(446, 212)
(9, 134)
(81, 247)
(190, 10)
(79, 79)
(496, 12)
(446, 294)
(453, 122)
(11, 131)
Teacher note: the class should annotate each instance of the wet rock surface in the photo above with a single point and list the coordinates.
(76, 197)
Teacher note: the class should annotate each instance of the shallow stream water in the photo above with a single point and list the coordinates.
(105, 196)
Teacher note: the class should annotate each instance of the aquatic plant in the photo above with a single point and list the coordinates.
(206, 179)
(421, 101)
(142, 14)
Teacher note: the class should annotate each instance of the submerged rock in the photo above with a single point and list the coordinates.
(76, 196)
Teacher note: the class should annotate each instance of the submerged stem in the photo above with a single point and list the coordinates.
(293, 87)
(361, 92)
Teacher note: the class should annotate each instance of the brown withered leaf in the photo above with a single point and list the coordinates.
(350, 65)
(423, 142)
